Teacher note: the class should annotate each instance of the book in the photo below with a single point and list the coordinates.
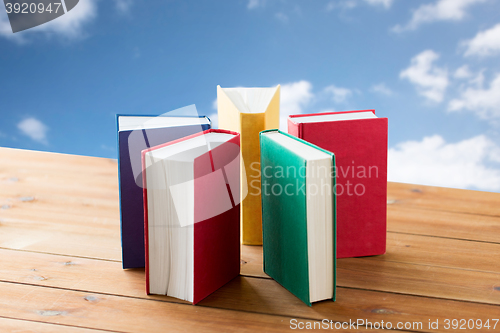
(298, 216)
(359, 141)
(192, 214)
(135, 133)
(249, 111)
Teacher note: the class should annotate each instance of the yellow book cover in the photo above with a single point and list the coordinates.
(249, 111)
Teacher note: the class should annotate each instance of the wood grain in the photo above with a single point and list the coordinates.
(25, 326)
(444, 199)
(414, 220)
(124, 314)
(61, 269)
(257, 294)
(409, 249)
(260, 295)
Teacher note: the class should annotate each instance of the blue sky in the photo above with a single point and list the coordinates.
(432, 67)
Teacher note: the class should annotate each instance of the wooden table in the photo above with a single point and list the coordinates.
(60, 265)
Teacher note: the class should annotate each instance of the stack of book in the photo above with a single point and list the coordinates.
(189, 194)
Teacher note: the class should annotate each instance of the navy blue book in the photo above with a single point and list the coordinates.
(136, 133)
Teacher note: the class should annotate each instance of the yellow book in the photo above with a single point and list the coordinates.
(249, 111)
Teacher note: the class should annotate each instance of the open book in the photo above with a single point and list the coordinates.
(191, 204)
(298, 216)
(249, 111)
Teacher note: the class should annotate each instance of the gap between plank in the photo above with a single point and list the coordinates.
(60, 255)
(375, 258)
(422, 296)
(63, 325)
(417, 207)
(165, 301)
(434, 236)
(174, 301)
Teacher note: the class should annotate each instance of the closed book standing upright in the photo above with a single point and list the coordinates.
(298, 216)
(192, 214)
(359, 141)
(135, 133)
(249, 111)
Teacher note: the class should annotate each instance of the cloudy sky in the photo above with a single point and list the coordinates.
(432, 67)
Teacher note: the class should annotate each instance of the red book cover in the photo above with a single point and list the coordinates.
(360, 149)
(216, 240)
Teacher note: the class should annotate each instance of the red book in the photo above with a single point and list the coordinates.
(358, 139)
(192, 214)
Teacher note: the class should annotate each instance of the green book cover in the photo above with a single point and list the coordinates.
(284, 216)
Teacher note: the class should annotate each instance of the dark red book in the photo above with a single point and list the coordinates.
(192, 214)
(359, 141)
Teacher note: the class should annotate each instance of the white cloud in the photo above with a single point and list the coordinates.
(472, 163)
(69, 26)
(6, 30)
(281, 17)
(123, 6)
(440, 10)
(350, 4)
(381, 88)
(430, 80)
(330, 6)
(214, 118)
(255, 4)
(294, 96)
(384, 3)
(338, 94)
(484, 102)
(485, 43)
(462, 73)
(34, 129)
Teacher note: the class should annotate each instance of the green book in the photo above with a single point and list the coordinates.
(298, 215)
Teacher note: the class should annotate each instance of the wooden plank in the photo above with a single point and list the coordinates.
(421, 280)
(462, 273)
(448, 270)
(88, 209)
(360, 273)
(26, 326)
(79, 216)
(441, 252)
(443, 224)
(352, 304)
(423, 266)
(40, 237)
(248, 295)
(125, 314)
(410, 249)
(444, 199)
(65, 210)
(251, 261)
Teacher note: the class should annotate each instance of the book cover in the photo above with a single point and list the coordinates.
(216, 216)
(130, 183)
(249, 111)
(289, 248)
(360, 148)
